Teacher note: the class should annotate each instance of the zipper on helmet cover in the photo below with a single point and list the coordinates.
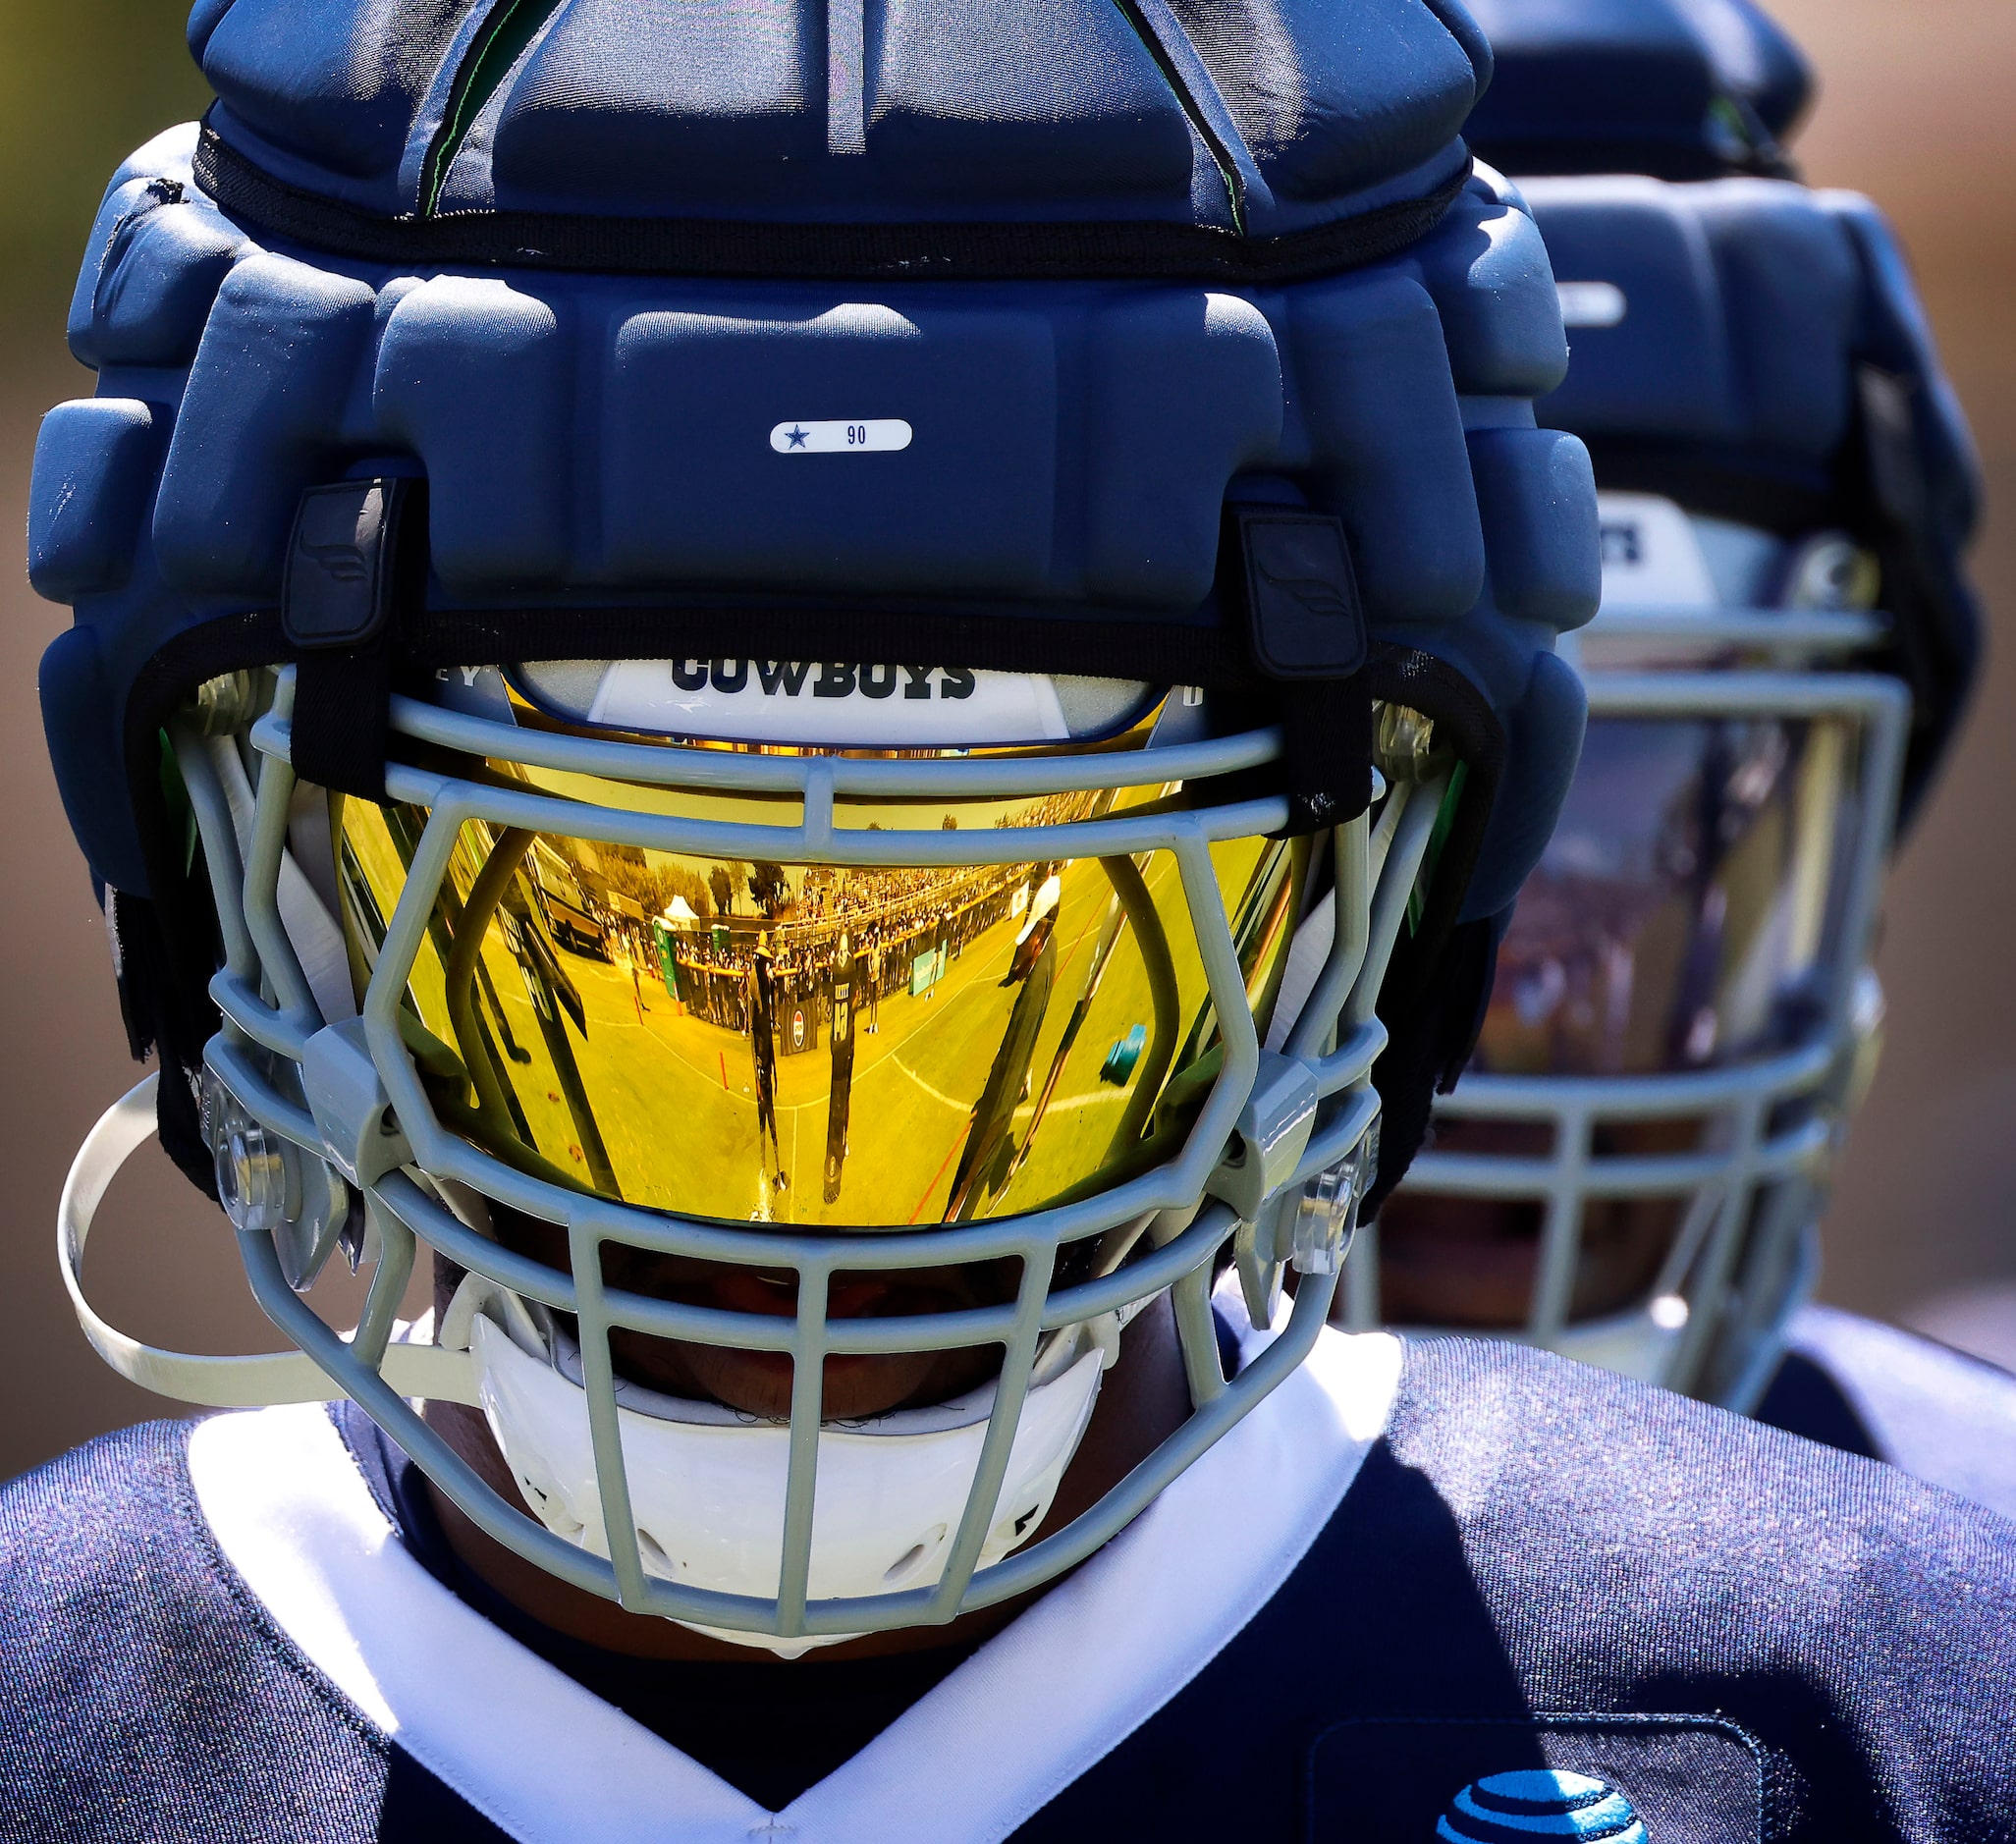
(1221, 156)
(510, 29)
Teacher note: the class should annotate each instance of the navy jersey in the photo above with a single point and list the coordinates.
(1402, 1579)
(1869, 1388)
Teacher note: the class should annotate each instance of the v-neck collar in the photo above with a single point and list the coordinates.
(1031, 1711)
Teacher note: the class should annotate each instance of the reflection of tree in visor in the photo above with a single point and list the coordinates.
(977, 1090)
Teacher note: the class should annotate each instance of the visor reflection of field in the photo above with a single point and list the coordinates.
(675, 1096)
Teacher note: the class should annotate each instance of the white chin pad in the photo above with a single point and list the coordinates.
(708, 1495)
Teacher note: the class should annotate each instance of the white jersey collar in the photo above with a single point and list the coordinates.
(1027, 1714)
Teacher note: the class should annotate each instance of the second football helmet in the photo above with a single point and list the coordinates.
(1634, 1168)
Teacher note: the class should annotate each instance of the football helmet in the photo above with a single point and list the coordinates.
(1069, 895)
(1634, 1168)
(1677, 90)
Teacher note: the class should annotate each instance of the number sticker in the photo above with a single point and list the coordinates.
(881, 435)
(1591, 304)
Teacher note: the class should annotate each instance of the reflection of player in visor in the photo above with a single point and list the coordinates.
(554, 993)
(984, 1160)
(500, 890)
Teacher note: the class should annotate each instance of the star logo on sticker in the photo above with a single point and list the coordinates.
(796, 436)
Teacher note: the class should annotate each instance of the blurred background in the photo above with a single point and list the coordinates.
(1913, 110)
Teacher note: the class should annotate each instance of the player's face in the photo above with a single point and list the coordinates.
(1473, 1263)
(1681, 920)
(759, 1382)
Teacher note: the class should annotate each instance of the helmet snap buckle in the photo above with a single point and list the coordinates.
(257, 1183)
(1307, 1227)
(1324, 1212)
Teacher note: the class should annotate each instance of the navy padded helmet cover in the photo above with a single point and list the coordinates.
(1755, 313)
(1749, 304)
(1682, 89)
(1187, 110)
(595, 439)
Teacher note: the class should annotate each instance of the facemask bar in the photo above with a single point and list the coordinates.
(1761, 1186)
(345, 1098)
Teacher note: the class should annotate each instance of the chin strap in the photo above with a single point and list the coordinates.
(214, 1381)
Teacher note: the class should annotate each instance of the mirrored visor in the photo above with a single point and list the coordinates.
(814, 1044)
(1688, 911)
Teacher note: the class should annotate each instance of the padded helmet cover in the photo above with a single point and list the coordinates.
(1774, 365)
(557, 267)
(1683, 89)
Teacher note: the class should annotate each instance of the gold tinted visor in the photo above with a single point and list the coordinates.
(817, 1043)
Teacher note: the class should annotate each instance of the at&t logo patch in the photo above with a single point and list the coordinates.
(1534, 1803)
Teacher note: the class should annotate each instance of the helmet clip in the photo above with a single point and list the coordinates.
(351, 1111)
(1271, 1137)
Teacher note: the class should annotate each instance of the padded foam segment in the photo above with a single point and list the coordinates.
(169, 156)
(1536, 493)
(336, 81)
(1151, 509)
(1740, 304)
(693, 491)
(94, 466)
(161, 260)
(1027, 111)
(1683, 89)
(202, 22)
(1790, 289)
(84, 751)
(1000, 101)
(260, 420)
(650, 109)
(1666, 368)
(128, 195)
(1544, 743)
(474, 377)
(1386, 444)
(1489, 273)
(1460, 23)
(1306, 101)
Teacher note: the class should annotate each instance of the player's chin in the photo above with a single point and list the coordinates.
(855, 1388)
(1464, 1263)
